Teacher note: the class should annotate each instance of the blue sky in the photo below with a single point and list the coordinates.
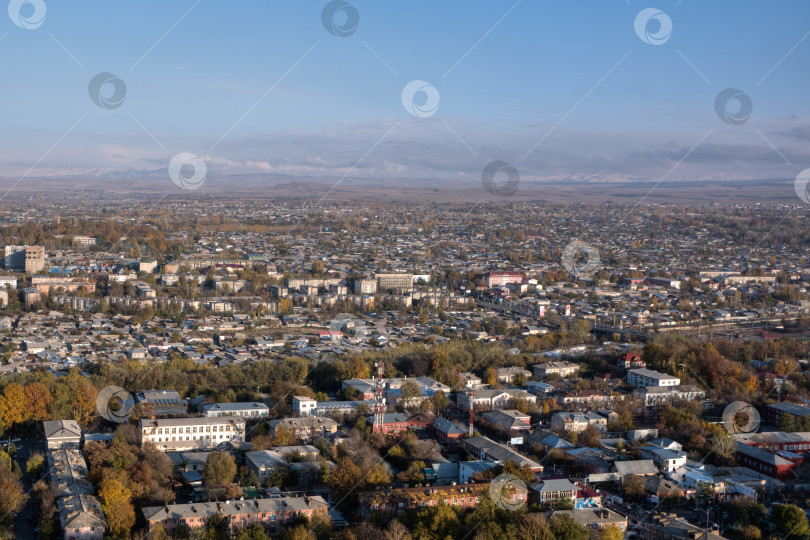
(195, 71)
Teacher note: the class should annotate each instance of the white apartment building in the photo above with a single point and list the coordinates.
(562, 368)
(80, 240)
(643, 377)
(250, 409)
(304, 406)
(183, 434)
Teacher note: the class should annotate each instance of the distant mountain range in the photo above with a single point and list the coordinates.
(568, 190)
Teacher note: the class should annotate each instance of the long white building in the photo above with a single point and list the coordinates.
(251, 409)
(182, 434)
(643, 377)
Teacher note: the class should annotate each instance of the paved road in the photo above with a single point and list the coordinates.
(25, 522)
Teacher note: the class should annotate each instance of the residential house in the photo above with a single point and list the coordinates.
(631, 361)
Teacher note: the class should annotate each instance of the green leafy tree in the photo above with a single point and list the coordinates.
(790, 520)
(219, 469)
(565, 528)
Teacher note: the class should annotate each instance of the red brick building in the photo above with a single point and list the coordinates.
(447, 431)
(764, 462)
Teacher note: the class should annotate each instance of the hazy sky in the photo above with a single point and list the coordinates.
(558, 89)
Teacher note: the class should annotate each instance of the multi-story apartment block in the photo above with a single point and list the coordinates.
(45, 284)
(147, 265)
(499, 279)
(181, 434)
(237, 514)
(81, 517)
(14, 258)
(77, 303)
(391, 502)
(319, 283)
(642, 377)
(29, 259)
(661, 395)
(34, 259)
(387, 282)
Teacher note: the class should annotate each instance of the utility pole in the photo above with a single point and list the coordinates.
(379, 405)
